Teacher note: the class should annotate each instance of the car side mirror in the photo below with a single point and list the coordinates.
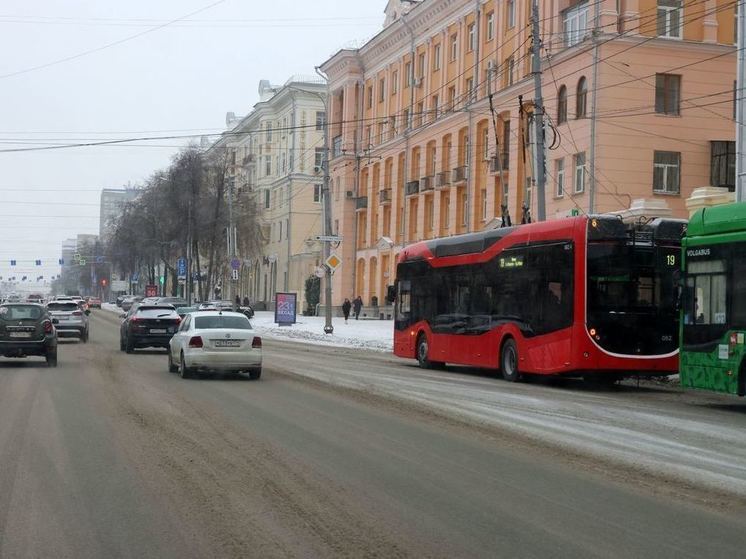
(122, 316)
(88, 312)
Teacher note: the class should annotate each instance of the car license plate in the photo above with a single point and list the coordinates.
(20, 334)
(157, 330)
(227, 343)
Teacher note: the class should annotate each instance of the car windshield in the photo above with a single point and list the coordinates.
(63, 306)
(153, 312)
(231, 322)
(20, 312)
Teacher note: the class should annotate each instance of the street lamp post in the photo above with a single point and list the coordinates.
(328, 326)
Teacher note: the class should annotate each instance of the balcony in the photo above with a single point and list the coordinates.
(504, 159)
(412, 188)
(426, 183)
(443, 180)
(361, 203)
(337, 146)
(384, 196)
(459, 174)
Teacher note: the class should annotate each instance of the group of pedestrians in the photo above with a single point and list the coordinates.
(356, 306)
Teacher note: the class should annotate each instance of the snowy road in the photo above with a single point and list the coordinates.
(694, 438)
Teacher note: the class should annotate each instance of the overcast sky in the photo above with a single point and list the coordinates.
(174, 79)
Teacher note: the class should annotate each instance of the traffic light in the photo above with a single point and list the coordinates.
(162, 280)
(104, 282)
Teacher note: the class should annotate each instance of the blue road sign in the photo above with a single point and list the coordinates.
(12, 262)
(135, 277)
(235, 264)
(181, 267)
(62, 261)
(99, 260)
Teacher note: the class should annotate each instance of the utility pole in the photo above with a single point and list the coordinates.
(231, 237)
(328, 326)
(538, 116)
(741, 105)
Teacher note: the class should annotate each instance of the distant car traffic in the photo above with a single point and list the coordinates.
(228, 306)
(27, 329)
(72, 320)
(215, 341)
(148, 326)
(128, 301)
(175, 301)
(183, 311)
(94, 302)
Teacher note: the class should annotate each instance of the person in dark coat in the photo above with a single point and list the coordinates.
(238, 301)
(246, 302)
(346, 306)
(357, 306)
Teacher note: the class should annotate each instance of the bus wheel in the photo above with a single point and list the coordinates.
(509, 361)
(422, 349)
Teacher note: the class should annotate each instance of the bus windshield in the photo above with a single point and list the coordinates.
(631, 297)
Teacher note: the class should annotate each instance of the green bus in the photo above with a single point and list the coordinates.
(713, 315)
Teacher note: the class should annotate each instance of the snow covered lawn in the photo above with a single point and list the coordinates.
(377, 335)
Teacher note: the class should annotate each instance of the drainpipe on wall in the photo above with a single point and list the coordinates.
(594, 95)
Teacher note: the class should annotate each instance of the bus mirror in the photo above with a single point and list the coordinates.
(391, 293)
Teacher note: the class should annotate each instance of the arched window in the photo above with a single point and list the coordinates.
(581, 98)
(562, 105)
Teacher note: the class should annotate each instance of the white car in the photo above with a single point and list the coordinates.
(215, 341)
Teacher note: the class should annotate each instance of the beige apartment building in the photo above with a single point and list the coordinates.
(275, 156)
(639, 97)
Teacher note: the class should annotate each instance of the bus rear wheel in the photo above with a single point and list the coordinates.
(509, 361)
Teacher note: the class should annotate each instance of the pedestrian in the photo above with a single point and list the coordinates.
(357, 306)
(346, 306)
(238, 301)
(246, 302)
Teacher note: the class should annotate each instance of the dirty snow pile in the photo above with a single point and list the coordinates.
(377, 335)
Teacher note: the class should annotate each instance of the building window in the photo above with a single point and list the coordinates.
(283, 163)
(436, 106)
(452, 98)
(447, 211)
(266, 199)
(320, 120)
(317, 193)
(666, 172)
(370, 96)
(511, 68)
(511, 13)
(483, 195)
(436, 57)
(267, 165)
(581, 98)
(420, 113)
(405, 117)
(394, 82)
(269, 132)
(421, 66)
(469, 86)
(562, 105)
(667, 94)
(318, 161)
(579, 179)
(454, 47)
(472, 38)
(490, 26)
(486, 144)
(575, 24)
(669, 22)
(381, 90)
(723, 164)
(407, 74)
(559, 178)
(464, 209)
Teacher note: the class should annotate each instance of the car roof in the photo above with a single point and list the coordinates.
(206, 312)
(155, 306)
(21, 304)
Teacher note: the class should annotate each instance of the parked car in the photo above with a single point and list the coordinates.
(119, 299)
(228, 306)
(94, 302)
(148, 326)
(72, 320)
(27, 329)
(215, 341)
(128, 301)
(175, 301)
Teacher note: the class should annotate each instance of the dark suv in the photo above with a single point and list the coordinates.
(27, 329)
(148, 326)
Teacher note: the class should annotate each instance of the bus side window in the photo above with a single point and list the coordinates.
(403, 300)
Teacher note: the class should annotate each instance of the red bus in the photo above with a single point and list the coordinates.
(584, 296)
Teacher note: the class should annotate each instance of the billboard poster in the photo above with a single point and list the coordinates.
(285, 308)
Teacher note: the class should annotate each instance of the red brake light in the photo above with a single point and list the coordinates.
(195, 341)
(178, 320)
(47, 327)
(256, 342)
